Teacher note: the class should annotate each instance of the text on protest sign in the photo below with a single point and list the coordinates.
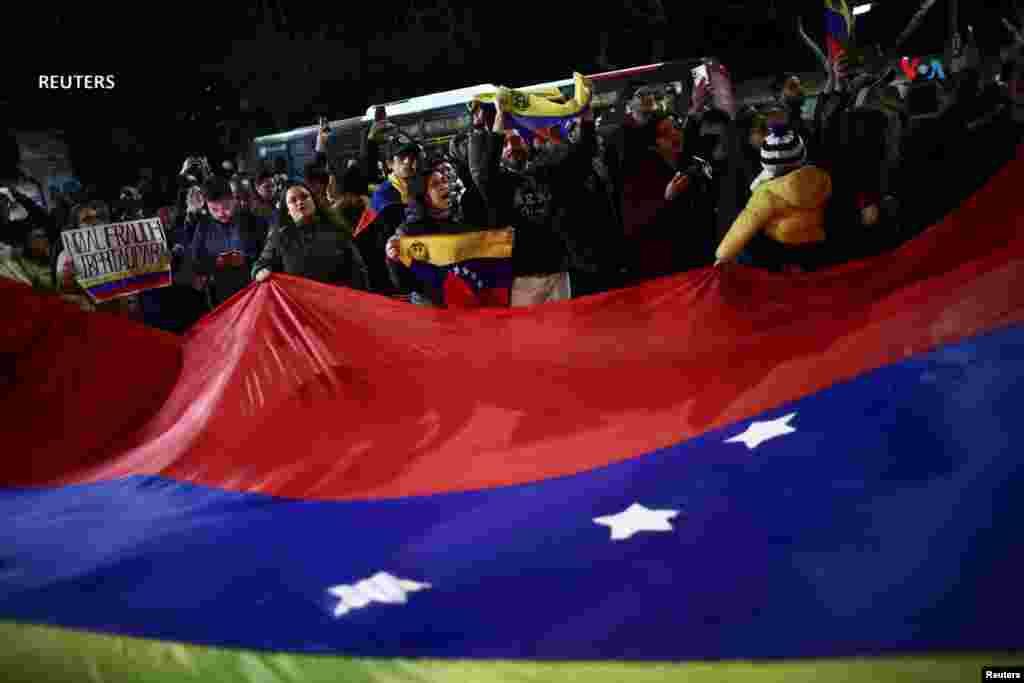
(119, 259)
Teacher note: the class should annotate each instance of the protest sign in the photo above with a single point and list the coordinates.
(119, 259)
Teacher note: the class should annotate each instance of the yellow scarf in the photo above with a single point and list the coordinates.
(542, 102)
(453, 249)
(400, 185)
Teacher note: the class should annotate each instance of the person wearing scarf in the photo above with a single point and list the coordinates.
(386, 210)
(441, 201)
(782, 227)
(541, 194)
(309, 243)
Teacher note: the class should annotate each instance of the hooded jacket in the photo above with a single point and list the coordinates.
(789, 210)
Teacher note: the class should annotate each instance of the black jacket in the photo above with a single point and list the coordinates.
(961, 160)
(319, 251)
(371, 242)
(538, 203)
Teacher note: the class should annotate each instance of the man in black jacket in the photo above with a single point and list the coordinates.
(538, 200)
(386, 210)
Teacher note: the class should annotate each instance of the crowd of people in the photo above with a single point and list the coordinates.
(661, 190)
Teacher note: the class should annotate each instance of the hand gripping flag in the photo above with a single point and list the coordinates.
(728, 474)
(538, 110)
(468, 269)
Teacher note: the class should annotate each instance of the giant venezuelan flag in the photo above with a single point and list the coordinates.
(722, 475)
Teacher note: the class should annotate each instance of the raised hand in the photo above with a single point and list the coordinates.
(699, 98)
(677, 186)
(196, 200)
(391, 250)
(870, 215)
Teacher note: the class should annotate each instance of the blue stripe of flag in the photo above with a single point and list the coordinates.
(836, 26)
(887, 522)
(144, 279)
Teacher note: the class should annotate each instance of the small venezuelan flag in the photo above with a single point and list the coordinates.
(839, 27)
(384, 196)
(537, 111)
(469, 269)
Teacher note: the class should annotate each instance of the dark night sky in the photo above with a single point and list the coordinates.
(324, 58)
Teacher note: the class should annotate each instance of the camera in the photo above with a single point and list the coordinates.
(194, 171)
(700, 168)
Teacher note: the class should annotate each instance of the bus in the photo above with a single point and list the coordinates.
(433, 120)
(298, 147)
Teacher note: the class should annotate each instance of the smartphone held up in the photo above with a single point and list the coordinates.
(719, 84)
(699, 73)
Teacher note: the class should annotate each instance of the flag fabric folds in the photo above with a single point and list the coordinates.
(724, 473)
(532, 112)
(468, 269)
(384, 196)
(839, 27)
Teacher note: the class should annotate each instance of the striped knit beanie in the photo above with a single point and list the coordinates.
(782, 150)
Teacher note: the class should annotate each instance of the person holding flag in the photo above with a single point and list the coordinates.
(386, 210)
(538, 197)
(454, 260)
(535, 113)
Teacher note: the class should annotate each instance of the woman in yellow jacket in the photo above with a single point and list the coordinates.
(782, 227)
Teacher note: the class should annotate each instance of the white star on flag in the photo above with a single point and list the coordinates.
(381, 587)
(759, 432)
(637, 518)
